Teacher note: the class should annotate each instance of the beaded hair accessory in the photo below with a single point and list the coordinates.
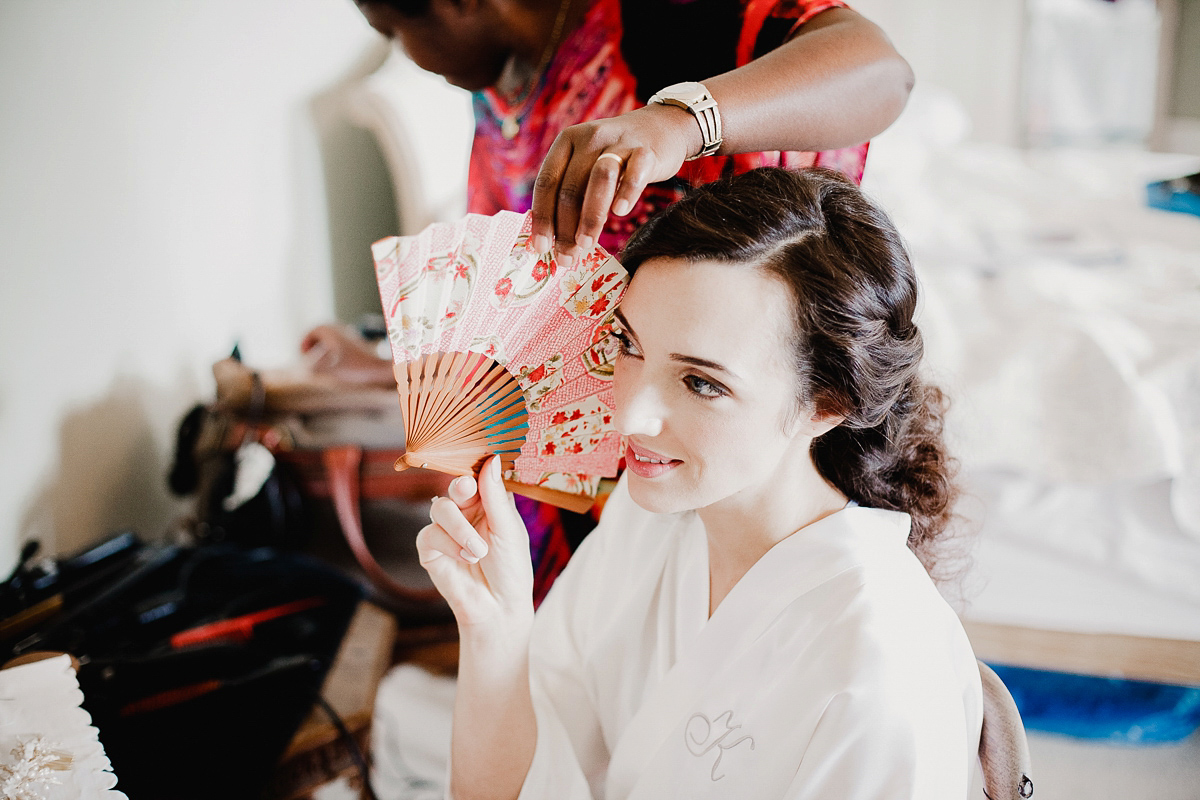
(49, 749)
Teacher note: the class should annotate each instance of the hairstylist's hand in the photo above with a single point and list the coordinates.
(477, 550)
(577, 187)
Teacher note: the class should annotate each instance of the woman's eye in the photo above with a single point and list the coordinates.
(702, 387)
(625, 347)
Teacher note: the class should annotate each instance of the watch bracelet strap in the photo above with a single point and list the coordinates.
(707, 117)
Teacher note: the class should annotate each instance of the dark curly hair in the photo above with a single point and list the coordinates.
(857, 350)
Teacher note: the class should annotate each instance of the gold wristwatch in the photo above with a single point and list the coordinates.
(695, 99)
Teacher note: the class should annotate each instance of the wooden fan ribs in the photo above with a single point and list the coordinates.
(438, 370)
(458, 372)
(434, 395)
(459, 409)
(473, 410)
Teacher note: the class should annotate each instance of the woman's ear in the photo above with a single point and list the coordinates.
(811, 423)
(820, 423)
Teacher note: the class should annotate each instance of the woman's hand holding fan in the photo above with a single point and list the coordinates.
(476, 551)
(492, 600)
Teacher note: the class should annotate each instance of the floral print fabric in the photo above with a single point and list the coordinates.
(588, 79)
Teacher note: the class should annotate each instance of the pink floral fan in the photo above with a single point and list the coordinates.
(499, 350)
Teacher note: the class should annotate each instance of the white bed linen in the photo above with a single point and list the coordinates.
(410, 734)
(1038, 588)
(1063, 317)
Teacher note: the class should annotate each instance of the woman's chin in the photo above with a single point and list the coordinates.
(656, 498)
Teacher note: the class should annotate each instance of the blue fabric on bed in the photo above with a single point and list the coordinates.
(1180, 194)
(1111, 709)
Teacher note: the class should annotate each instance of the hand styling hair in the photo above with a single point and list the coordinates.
(857, 350)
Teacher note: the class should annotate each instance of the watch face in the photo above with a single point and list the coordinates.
(688, 91)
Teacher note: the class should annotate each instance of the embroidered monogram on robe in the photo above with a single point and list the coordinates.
(833, 669)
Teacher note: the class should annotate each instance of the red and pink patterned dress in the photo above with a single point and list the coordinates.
(591, 77)
(619, 55)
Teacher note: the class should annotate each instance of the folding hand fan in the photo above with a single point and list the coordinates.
(499, 350)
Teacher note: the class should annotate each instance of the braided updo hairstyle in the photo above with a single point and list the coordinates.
(857, 350)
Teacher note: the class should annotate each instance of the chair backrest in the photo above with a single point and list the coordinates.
(425, 128)
(1003, 748)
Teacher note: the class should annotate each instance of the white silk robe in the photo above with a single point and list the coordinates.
(833, 669)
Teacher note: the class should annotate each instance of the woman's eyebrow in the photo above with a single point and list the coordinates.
(680, 357)
(703, 362)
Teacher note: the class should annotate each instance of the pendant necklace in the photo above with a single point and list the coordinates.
(510, 124)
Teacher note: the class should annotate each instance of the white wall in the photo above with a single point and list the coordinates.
(970, 47)
(161, 195)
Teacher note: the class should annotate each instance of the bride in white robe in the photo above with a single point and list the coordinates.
(753, 617)
(833, 669)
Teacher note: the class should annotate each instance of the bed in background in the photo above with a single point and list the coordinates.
(1063, 316)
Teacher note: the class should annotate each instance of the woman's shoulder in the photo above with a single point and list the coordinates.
(883, 611)
(876, 540)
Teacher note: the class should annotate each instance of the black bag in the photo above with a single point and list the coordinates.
(199, 664)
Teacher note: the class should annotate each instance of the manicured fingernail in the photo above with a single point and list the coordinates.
(541, 243)
(477, 546)
(585, 243)
(565, 259)
(495, 468)
(622, 207)
(468, 556)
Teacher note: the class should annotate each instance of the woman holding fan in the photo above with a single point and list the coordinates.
(754, 616)
(596, 114)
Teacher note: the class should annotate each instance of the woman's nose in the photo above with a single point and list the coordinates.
(638, 412)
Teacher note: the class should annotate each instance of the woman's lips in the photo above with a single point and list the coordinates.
(646, 463)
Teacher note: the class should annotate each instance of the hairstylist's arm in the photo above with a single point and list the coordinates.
(836, 83)
(477, 552)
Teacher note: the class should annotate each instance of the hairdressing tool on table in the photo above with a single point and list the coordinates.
(145, 562)
(241, 628)
(198, 575)
(204, 646)
(182, 694)
(38, 589)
